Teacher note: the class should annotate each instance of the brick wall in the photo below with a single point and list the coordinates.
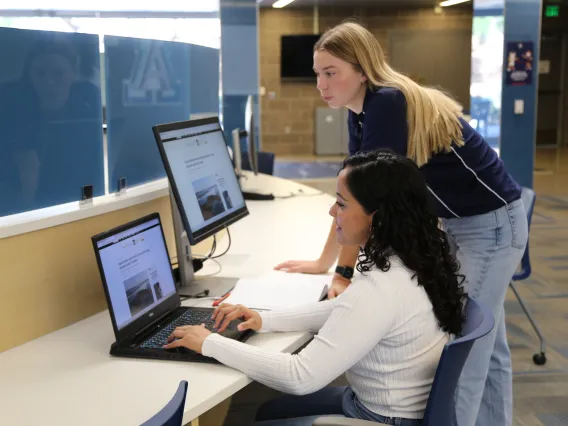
(287, 117)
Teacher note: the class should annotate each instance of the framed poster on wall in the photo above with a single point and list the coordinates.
(519, 63)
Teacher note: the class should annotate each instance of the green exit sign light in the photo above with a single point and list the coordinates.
(552, 11)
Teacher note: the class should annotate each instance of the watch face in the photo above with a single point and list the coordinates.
(345, 271)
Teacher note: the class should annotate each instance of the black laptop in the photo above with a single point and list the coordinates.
(143, 300)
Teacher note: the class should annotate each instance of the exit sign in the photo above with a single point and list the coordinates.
(552, 11)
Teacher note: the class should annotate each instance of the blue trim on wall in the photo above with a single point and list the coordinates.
(239, 15)
(518, 132)
(239, 63)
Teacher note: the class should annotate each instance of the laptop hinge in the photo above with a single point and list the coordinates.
(144, 330)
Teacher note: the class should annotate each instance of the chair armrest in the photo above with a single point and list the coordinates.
(341, 421)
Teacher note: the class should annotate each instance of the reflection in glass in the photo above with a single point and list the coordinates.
(50, 119)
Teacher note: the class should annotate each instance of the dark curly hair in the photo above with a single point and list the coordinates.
(404, 224)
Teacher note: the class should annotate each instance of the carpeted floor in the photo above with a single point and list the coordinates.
(305, 170)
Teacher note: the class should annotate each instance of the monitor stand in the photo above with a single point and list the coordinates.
(191, 285)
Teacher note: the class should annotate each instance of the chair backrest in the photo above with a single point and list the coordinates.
(528, 197)
(440, 408)
(172, 413)
(265, 162)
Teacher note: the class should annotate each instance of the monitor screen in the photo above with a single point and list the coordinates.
(202, 176)
(137, 271)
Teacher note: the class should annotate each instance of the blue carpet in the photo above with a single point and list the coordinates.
(305, 170)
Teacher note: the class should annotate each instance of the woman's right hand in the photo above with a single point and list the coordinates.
(303, 266)
(227, 313)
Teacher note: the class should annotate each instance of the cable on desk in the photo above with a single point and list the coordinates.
(226, 250)
(213, 247)
(219, 269)
(205, 293)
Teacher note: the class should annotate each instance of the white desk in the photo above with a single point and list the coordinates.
(68, 377)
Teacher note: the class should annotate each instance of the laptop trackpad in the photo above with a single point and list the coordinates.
(231, 331)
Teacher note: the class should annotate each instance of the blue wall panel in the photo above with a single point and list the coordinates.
(240, 63)
(518, 132)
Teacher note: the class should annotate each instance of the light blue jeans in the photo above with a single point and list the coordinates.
(292, 410)
(489, 248)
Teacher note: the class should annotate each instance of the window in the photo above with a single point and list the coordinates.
(487, 70)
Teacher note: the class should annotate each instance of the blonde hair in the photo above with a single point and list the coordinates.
(432, 116)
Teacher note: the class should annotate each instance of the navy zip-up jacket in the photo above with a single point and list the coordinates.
(467, 181)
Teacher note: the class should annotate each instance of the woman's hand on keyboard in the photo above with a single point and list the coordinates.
(188, 336)
(224, 314)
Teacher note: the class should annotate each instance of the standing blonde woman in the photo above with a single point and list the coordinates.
(476, 199)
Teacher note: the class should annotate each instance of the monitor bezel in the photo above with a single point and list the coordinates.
(168, 305)
(224, 222)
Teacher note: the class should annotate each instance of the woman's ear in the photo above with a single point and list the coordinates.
(374, 224)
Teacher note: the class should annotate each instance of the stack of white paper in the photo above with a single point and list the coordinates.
(279, 290)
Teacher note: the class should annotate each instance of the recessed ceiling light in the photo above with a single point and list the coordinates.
(281, 3)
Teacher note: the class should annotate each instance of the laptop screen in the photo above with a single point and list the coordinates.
(137, 271)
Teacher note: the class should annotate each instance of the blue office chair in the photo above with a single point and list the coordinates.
(529, 198)
(441, 405)
(265, 162)
(172, 413)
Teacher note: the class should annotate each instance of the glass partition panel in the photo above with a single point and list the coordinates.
(147, 83)
(51, 135)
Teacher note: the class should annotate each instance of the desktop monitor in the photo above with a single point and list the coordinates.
(250, 128)
(205, 193)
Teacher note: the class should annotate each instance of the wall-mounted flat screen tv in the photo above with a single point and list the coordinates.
(297, 57)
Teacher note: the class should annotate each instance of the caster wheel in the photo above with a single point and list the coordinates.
(539, 359)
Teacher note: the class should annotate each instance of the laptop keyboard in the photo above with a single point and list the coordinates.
(190, 317)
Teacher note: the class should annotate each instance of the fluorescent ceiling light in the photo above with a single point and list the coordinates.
(451, 2)
(281, 3)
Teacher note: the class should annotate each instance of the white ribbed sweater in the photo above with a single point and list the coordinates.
(381, 331)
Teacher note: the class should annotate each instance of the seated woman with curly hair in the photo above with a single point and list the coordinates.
(386, 331)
